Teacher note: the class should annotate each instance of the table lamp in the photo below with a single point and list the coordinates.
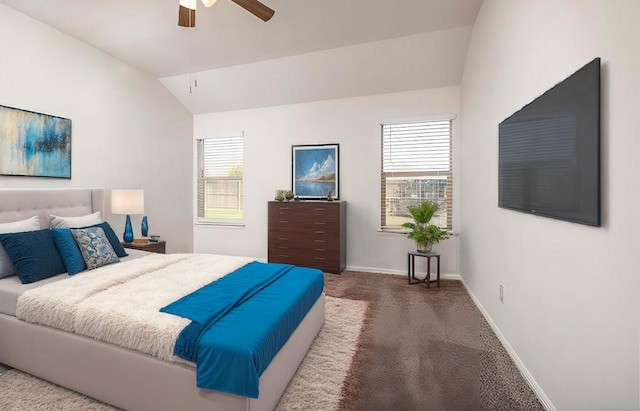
(127, 202)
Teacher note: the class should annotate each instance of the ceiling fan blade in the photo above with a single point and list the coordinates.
(186, 16)
(256, 8)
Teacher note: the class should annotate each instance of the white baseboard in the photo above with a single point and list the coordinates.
(542, 397)
(443, 276)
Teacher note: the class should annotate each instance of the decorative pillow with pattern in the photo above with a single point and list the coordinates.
(112, 237)
(95, 247)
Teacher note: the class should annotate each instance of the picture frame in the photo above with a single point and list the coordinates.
(34, 144)
(315, 170)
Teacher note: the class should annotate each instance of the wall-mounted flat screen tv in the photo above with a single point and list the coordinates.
(549, 152)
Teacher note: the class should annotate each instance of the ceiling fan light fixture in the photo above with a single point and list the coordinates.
(209, 3)
(190, 4)
(187, 13)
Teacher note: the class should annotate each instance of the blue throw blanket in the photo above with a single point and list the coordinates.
(240, 322)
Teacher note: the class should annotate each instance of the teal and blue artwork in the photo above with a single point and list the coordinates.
(315, 171)
(34, 144)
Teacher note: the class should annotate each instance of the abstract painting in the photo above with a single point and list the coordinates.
(34, 144)
(316, 171)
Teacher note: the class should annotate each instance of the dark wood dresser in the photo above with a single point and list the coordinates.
(309, 234)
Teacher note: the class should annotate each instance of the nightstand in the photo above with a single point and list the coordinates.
(152, 247)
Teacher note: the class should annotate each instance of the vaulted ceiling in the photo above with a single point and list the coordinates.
(145, 34)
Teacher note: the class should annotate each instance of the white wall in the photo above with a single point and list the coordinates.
(353, 123)
(571, 305)
(128, 131)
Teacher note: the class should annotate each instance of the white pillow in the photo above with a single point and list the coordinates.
(30, 224)
(75, 222)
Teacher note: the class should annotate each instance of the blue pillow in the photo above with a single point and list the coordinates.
(112, 237)
(68, 250)
(33, 254)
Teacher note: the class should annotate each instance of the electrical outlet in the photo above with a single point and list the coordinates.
(502, 293)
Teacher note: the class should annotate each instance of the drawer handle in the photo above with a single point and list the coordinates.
(283, 246)
(283, 208)
(284, 221)
(319, 232)
(320, 241)
(320, 223)
(319, 258)
(283, 255)
(283, 239)
(319, 249)
(319, 209)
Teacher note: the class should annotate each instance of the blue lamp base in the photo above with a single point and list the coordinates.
(144, 227)
(128, 231)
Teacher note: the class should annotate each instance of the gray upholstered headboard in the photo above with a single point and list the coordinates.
(17, 204)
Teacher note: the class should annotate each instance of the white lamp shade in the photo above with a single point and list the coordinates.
(190, 4)
(208, 3)
(127, 201)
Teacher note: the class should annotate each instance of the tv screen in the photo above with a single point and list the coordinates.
(549, 152)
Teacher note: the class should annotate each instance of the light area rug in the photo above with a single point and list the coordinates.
(317, 385)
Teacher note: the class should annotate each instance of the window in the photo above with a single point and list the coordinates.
(416, 166)
(220, 197)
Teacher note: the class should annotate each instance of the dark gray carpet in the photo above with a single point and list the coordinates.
(426, 349)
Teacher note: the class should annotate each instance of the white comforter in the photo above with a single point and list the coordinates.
(120, 303)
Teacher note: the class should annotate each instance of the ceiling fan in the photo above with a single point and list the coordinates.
(187, 10)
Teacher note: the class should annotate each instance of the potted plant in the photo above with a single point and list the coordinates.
(423, 233)
(288, 195)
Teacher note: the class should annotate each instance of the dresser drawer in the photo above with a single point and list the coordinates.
(285, 216)
(306, 237)
(303, 248)
(309, 231)
(302, 221)
(329, 264)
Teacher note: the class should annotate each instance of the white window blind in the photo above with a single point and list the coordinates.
(220, 188)
(416, 166)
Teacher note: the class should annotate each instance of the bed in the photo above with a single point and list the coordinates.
(122, 377)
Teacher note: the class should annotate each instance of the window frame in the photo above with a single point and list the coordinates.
(201, 180)
(434, 174)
